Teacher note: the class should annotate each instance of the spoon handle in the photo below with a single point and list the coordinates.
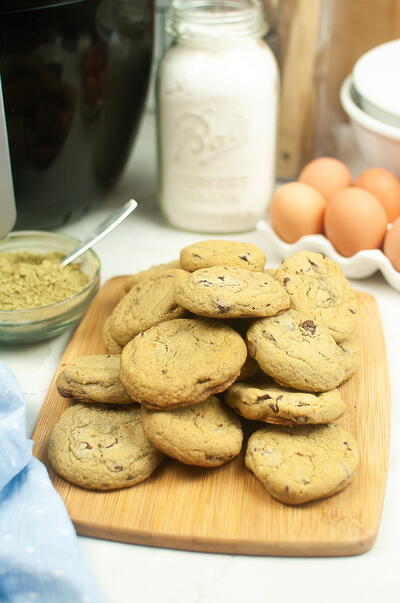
(101, 231)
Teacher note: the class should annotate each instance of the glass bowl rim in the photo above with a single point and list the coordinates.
(39, 309)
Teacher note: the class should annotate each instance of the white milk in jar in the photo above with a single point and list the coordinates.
(217, 95)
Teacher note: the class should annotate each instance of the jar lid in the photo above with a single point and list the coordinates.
(376, 85)
(205, 20)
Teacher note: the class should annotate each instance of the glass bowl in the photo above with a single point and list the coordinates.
(37, 324)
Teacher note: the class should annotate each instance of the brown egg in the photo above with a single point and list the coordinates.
(327, 175)
(355, 220)
(391, 244)
(385, 186)
(295, 210)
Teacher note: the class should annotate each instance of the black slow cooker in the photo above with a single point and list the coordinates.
(74, 76)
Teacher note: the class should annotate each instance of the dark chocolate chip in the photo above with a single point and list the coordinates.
(274, 407)
(269, 336)
(222, 307)
(263, 397)
(212, 457)
(309, 326)
(110, 445)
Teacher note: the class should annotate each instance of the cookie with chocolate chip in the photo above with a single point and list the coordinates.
(207, 434)
(262, 399)
(224, 292)
(296, 352)
(101, 447)
(181, 362)
(249, 369)
(93, 378)
(318, 287)
(303, 464)
(151, 272)
(148, 302)
(222, 253)
(112, 346)
(350, 353)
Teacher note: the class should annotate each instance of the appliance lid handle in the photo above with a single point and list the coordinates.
(8, 212)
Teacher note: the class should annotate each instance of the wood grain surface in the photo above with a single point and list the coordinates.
(298, 28)
(226, 509)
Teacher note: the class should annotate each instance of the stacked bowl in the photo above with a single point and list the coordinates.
(370, 96)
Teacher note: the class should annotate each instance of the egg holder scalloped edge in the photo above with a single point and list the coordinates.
(360, 265)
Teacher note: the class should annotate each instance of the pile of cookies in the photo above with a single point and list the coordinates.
(201, 345)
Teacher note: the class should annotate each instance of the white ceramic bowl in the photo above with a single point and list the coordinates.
(376, 85)
(379, 143)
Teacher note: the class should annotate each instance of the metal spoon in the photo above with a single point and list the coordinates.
(101, 231)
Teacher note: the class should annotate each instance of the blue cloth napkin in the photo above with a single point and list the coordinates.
(40, 559)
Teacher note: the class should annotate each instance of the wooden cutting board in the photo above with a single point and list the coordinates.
(226, 510)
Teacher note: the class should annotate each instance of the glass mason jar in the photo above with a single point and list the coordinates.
(217, 94)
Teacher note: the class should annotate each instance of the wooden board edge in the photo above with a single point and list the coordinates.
(355, 547)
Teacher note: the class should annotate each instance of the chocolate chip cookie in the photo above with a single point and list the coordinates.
(93, 378)
(249, 369)
(181, 362)
(207, 434)
(302, 464)
(221, 292)
(296, 352)
(151, 272)
(102, 447)
(318, 287)
(112, 346)
(222, 253)
(262, 399)
(149, 302)
(350, 355)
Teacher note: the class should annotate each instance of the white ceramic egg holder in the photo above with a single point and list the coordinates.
(361, 265)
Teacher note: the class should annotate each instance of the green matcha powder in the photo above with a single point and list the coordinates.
(32, 280)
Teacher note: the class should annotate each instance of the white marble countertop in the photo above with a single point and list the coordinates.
(135, 573)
